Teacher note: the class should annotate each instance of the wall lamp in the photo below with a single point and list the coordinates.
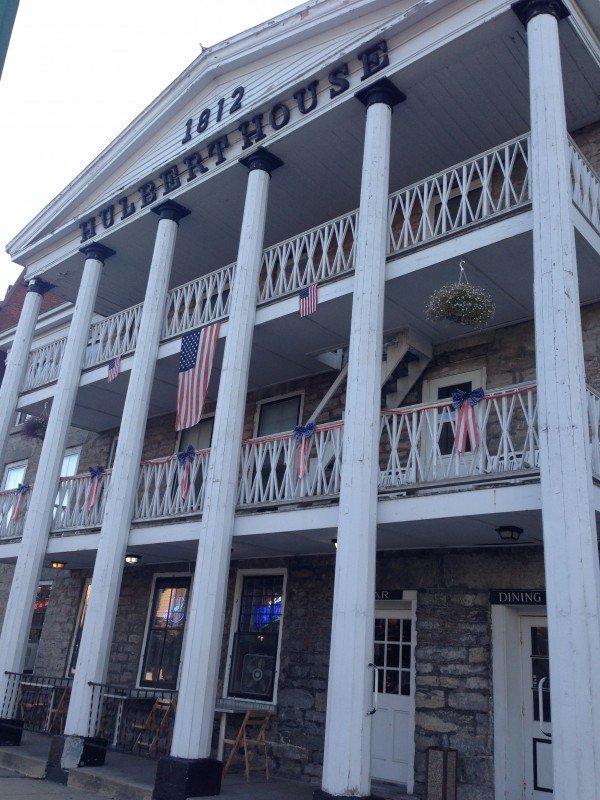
(334, 543)
(509, 533)
(132, 558)
(58, 564)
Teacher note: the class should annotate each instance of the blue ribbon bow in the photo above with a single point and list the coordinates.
(23, 488)
(186, 455)
(304, 431)
(472, 398)
(96, 472)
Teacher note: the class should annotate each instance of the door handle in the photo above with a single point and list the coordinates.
(375, 692)
(541, 707)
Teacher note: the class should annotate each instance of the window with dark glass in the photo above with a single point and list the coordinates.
(164, 639)
(446, 435)
(277, 416)
(40, 604)
(255, 642)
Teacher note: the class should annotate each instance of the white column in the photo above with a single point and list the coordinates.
(204, 626)
(94, 650)
(15, 631)
(18, 357)
(570, 546)
(347, 757)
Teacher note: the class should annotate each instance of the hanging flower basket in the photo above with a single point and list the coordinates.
(34, 427)
(462, 303)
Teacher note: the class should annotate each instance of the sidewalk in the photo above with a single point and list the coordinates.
(18, 787)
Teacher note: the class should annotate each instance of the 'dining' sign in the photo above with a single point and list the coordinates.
(518, 597)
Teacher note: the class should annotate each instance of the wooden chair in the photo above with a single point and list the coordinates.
(58, 714)
(33, 704)
(251, 739)
(154, 726)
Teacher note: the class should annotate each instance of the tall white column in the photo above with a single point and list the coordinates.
(347, 757)
(15, 631)
(204, 626)
(96, 638)
(16, 365)
(570, 546)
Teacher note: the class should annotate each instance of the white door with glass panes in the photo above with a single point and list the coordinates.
(394, 659)
(537, 714)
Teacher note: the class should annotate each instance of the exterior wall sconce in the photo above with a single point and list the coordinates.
(132, 558)
(58, 564)
(509, 533)
(334, 542)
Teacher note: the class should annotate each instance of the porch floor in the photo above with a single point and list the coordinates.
(129, 777)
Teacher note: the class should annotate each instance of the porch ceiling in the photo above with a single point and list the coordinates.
(464, 98)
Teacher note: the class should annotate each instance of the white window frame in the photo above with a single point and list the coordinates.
(71, 451)
(235, 617)
(159, 576)
(13, 465)
(180, 433)
(274, 399)
(477, 377)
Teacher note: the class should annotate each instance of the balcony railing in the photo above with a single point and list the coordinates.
(164, 491)
(417, 448)
(480, 189)
(80, 502)
(586, 186)
(13, 510)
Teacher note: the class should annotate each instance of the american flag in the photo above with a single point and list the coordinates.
(114, 367)
(195, 365)
(308, 300)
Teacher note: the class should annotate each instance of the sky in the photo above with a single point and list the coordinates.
(78, 71)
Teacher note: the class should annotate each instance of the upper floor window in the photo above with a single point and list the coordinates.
(278, 415)
(70, 463)
(164, 633)
(200, 436)
(14, 474)
(255, 642)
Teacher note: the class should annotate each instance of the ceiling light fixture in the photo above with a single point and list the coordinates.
(334, 542)
(58, 564)
(132, 558)
(509, 533)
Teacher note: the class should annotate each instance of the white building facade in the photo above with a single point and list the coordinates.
(402, 598)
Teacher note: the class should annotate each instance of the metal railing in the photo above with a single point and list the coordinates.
(138, 721)
(481, 188)
(40, 701)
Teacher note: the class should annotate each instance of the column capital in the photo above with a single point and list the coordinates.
(526, 10)
(261, 159)
(171, 210)
(382, 91)
(97, 251)
(39, 286)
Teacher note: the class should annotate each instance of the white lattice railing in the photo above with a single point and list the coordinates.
(586, 185)
(270, 467)
(76, 504)
(113, 336)
(594, 418)
(489, 184)
(199, 302)
(44, 364)
(11, 528)
(417, 443)
(160, 485)
(315, 256)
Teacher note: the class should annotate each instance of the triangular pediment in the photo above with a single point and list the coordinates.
(226, 86)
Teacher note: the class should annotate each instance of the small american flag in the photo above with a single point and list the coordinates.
(308, 300)
(114, 367)
(195, 365)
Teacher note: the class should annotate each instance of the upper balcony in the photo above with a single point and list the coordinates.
(468, 207)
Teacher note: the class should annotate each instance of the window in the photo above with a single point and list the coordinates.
(14, 474)
(164, 634)
(200, 436)
(255, 641)
(79, 629)
(441, 389)
(277, 416)
(70, 463)
(40, 604)
(113, 452)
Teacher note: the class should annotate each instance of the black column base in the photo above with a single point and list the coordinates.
(11, 732)
(70, 752)
(180, 778)
(319, 794)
